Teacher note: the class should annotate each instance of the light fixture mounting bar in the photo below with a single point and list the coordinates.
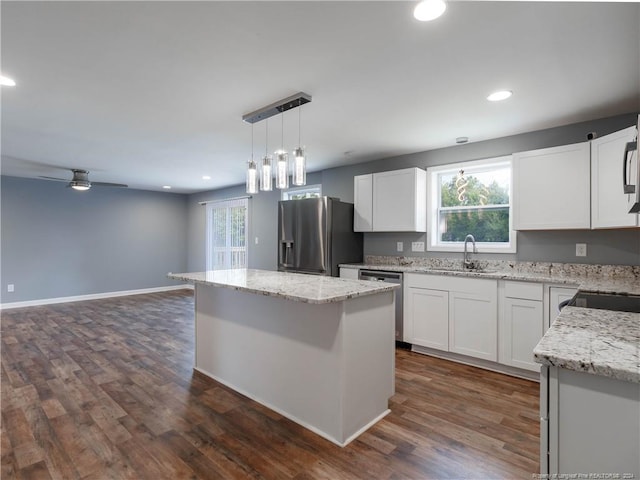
(280, 106)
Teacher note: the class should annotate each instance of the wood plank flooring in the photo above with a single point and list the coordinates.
(104, 389)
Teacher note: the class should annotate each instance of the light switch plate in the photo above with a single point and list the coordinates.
(11, 288)
(581, 249)
(399, 247)
(417, 246)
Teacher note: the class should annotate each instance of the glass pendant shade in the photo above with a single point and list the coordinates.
(252, 177)
(299, 176)
(266, 174)
(282, 169)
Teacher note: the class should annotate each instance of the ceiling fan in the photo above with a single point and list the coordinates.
(80, 181)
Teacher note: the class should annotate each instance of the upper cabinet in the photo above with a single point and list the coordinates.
(551, 188)
(394, 201)
(609, 204)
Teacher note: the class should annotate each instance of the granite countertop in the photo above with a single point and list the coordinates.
(297, 287)
(600, 342)
(603, 279)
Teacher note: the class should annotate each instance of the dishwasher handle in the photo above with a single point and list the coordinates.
(391, 277)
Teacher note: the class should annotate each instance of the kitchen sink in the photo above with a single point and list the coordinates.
(461, 269)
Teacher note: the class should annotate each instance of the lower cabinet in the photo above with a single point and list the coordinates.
(521, 323)
(473, 325)
(428, 311)
(452, 314)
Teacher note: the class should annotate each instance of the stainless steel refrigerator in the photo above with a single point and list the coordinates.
(315, 235)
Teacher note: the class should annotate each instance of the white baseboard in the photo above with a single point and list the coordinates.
(477, 362)
(92, 296)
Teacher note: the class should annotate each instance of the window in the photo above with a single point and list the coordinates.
(227, 234)
(471, 198)
(310, 191)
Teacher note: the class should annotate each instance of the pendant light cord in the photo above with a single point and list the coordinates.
(299, 124)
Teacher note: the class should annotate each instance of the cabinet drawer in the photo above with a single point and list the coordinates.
(524, 290)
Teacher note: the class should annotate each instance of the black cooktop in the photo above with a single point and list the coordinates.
(606, 301)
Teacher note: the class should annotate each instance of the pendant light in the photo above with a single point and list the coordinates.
(252, 171)
(266, 173)
(265, 170)
(299, 175)
(282, 163)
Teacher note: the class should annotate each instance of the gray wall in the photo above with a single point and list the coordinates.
(57, 242)
(603, 246)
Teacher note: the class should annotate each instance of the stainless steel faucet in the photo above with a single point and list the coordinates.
(467, 261)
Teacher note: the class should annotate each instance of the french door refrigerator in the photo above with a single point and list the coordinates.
(315, 235)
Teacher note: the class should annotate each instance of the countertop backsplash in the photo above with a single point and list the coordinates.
(542, 268)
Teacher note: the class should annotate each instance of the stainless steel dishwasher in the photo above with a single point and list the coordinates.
(388, 277)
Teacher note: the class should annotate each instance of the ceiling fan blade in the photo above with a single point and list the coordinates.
(54, 179)
(107, 184)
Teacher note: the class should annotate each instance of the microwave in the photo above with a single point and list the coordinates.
(631, 173)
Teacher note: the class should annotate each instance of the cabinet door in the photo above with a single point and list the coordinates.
(521, 330)
(551, 188)
(400, 201)
(609, 204)
(557, 295)
(427, 318)
(363, 203)
(351, 273)
(473, 321)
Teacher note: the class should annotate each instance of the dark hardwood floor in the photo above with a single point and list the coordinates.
(105, 389)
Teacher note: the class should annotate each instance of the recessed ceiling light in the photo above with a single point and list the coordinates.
(428, 10)
(167, 187)
(499, 95)
(206, 177)
(462, 139)
(7, 82)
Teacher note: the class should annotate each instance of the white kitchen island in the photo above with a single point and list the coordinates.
(318, 350)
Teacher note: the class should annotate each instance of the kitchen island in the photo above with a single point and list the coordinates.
(318, 350)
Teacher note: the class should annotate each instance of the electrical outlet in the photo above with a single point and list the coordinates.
(256, 240)
(581, 249)
(399, 247)
(11, 288)
(417, 246)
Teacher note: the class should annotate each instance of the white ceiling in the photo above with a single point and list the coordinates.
(153, 93)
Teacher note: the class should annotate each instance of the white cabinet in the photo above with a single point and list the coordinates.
(394, 201)
(609, 204)
(428, 311)
(556, 296)
(351, 273)
(551, 188)
(473, 318)
(363, 203)
(452, 314)
(521, 323)
(593, 425)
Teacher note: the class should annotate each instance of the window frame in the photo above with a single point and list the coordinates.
(433, 206)
(286, 194)
(227, 204)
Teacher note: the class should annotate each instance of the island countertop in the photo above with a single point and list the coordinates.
(297, 287)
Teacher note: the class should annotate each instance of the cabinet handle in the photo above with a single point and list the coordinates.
(629, 147)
